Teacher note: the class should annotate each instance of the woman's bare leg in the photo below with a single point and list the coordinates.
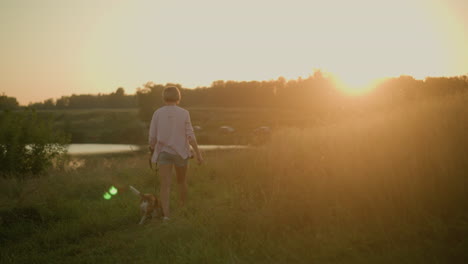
(165, 172)
(181, 173)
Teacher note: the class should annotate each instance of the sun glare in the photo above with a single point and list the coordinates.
(353, 83)
(354, 86)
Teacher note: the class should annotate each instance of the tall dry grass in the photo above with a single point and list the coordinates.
(406, 163)
(388, 179)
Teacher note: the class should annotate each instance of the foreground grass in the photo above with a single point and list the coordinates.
(382, 189)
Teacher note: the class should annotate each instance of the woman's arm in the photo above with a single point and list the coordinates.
(153, 132)
(194, 144)
(190, 134)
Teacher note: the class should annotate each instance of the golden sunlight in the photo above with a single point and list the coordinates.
(354, 86)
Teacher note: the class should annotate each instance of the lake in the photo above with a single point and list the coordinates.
(90, 149)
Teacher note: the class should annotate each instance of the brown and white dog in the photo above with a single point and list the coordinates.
(150, 205)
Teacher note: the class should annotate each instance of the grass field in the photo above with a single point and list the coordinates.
(385, 188)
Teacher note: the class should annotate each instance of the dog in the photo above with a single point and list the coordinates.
(150, 206)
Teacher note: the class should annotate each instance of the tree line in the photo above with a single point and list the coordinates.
(317, 93)
(117, 99)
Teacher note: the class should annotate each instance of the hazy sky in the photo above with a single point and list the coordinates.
(51, 48)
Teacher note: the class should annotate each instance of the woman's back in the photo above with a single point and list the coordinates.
(171, 127)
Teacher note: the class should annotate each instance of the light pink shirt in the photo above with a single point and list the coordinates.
(170, 131)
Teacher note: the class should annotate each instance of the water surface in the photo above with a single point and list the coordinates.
(90, 149)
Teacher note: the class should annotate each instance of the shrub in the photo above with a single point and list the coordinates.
(28, 144)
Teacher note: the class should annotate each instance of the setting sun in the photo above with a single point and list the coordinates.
(354, 85)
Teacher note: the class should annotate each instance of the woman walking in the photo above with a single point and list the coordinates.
(170, 137)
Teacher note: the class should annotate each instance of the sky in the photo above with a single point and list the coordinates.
(52, 48)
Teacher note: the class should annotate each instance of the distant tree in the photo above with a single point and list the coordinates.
(120, 91)
(149, 98)
(218, 84)
(8, 103)
(49, 103)
(63, 102)
(118, 99)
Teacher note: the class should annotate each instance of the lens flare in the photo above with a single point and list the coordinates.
(113, 190)
(107, 196)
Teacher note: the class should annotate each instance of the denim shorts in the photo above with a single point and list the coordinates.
(165, 158)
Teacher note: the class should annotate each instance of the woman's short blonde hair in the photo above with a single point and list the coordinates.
(171, 94)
